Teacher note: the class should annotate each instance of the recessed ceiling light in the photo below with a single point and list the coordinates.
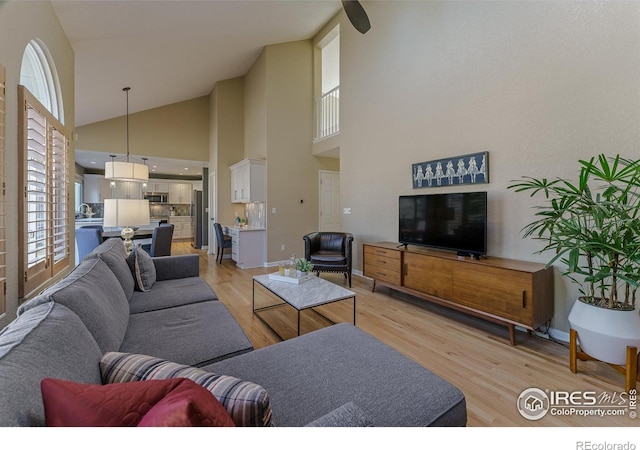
(186, 168)
(93, 162)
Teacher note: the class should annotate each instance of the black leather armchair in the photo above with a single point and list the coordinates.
(329, 251)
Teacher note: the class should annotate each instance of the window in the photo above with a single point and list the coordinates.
(328, 104)
(38, 75)
(331, 65)
(3, 254)
(44, 178)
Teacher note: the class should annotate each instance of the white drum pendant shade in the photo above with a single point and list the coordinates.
(119, 212)
(126, 171)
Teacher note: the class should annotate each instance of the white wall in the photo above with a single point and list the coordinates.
(536, 84)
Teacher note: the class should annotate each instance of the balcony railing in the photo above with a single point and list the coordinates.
(327, 114)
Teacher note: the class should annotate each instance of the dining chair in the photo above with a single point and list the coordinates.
(223, 241)
(160, 241)
(88, 237)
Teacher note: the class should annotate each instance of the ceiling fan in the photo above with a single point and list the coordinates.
(357, 15)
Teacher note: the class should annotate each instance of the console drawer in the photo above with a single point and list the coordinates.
(383, 264)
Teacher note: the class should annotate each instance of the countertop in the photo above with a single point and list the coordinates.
(247, 228)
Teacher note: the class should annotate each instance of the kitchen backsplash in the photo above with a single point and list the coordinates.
(254, 212)
(164, 209)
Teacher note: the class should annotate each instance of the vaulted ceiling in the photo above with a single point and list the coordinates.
(170, 51)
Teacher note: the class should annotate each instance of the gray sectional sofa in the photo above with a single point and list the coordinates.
(336, 376)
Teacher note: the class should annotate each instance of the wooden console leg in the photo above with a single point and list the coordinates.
(573, 350)
(512, 334)
(631, 373)
(373, 288)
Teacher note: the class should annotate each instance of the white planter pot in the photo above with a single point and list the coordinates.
(603, 333)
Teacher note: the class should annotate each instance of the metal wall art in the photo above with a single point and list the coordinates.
(465, 169)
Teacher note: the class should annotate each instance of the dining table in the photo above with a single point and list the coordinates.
(139, 234)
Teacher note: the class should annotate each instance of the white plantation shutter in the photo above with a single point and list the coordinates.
(59, 187)
(45, 180)
(3, 253)
(36, 189)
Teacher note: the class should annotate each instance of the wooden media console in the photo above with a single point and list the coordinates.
(506, 291)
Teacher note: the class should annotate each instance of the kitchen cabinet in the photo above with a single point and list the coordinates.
(248, 181)
(248, 246)
(156, 186)
(96, 189)
(127, 189)
(181, 227)
(180, 192)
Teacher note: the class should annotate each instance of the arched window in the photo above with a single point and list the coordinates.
(45, 169)
(38, 74)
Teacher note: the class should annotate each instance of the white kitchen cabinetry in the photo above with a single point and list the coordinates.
(248, 246)
(157, 186)
(180, 192)
(96, 189)
(127, 189)
(248, 181)
(181, 227)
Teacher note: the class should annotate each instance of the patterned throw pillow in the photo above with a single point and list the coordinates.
(142, 268)
(177, 402)
(247, 403)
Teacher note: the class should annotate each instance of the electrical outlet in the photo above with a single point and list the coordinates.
(282, 248)
(273, 210)
(346, 211)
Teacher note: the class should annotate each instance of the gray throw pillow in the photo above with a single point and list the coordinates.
(142, 268)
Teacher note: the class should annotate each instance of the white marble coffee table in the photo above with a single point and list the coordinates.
(307, 295)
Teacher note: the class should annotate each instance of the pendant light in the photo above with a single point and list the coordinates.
(126, 170)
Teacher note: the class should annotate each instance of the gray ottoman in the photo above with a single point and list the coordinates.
(316, 373)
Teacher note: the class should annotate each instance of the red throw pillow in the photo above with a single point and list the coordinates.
(180, 401)
(188, 405)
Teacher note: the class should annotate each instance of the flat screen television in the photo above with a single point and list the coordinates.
(451, 221)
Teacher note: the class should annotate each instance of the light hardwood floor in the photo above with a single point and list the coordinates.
(471, 353)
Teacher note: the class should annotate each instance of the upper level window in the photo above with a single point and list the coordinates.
(39, 76)
(331, 65)
(328, 104)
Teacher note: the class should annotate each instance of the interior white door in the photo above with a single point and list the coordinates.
(330, 218)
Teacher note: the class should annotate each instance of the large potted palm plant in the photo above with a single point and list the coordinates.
(592, 226)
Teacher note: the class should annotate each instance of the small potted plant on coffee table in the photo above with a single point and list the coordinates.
(305, 267)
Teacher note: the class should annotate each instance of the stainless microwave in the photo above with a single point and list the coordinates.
(156, 197)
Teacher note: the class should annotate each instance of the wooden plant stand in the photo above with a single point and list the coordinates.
(630, 370)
